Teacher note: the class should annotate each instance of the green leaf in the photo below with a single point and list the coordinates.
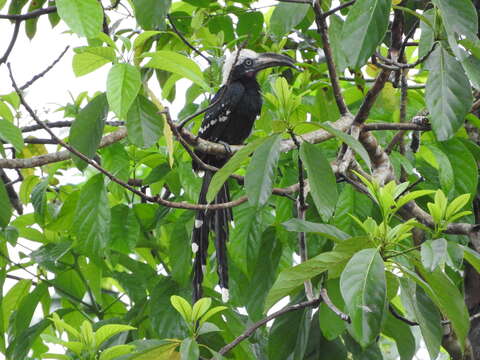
(189, 349)
(250, 23)
(11, 134)
(39, 201)
(261, 170)
(364, 29)
(471, 65)
(107, 331)
(26, 308)
(364, 290)
(285, 17)
(231, 166)
(177, 64)
(92, 58)
(445, 170)
(5, 112)
(472, 257)
(402, 334)
(144, 123)
(329, 231)
(448, 94)
(91, 223)
(13, 298)
(433, 253)
(288, 336)
(123, 84)
(211, 312)
(330, 323)
(426, 314)
(84, 17)
(447, 297)
(294, 277)
(116, 351)
(151, 14)
(465, 169)
(200, 308)
(323, 184)
(459, 17)
(182, 306)
(6, 208)
(87, 129)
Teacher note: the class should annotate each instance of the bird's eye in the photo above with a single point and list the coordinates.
(248, 62)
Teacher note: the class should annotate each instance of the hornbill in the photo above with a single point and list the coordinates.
(229, 121)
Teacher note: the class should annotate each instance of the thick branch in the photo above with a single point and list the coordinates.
(371, 96)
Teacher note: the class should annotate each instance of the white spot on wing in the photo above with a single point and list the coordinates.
(198, 223)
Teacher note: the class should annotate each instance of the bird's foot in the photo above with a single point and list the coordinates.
(227, 147)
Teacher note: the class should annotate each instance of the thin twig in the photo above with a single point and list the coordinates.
(30, 15)
(61, 124)
(326, 299)
(186, 42)
(12, 42)
(38, 76)
(323, 31)
(301, 215)
(371, 96)
(338, 8)
(247, 333)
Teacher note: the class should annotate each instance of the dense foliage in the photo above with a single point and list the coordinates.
(369, 233)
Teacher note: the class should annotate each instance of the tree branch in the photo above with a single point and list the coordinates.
(371, 96)
(323, 31)
(30, 15)
(38, 76)
(12, 42)
(249, 332)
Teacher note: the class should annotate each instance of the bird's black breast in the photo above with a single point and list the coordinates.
(231, 119)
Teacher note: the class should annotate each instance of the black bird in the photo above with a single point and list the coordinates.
(229, 122)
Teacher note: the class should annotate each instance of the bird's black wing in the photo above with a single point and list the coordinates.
(216, 119)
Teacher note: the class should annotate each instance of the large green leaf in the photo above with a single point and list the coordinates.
(91, 223)
(26, 308)
(288, 335)
(293, 278)
(178, 64)
(87, 129)
(261, 170)
(323, 185)
(151, 14)
(433, 253)
(231, 166)
(264, 272)
(250, 23)
(364, 29)
(440, 288)
(465, 166)
(123, 84)
(189, 349)
(144, 123)
(472, 257)
(445, 169)
(448, 94)
(6, 208)
(326, 230)
(91, 58)
(124, 229)
(459, 17)
(364, 290)
(11, 134)
(84, 17)
(426, 314)
(285, 17)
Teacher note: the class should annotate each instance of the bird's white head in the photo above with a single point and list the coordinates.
(249, 63)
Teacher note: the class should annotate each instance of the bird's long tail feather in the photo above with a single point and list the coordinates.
(217, 220)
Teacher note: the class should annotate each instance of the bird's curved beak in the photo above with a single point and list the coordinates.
(267, 60)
